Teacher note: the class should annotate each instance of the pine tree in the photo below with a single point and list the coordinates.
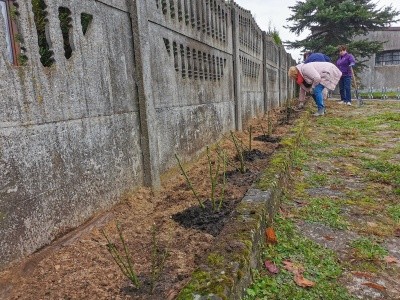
(337, 22)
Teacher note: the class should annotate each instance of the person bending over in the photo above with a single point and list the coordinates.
(317, 76)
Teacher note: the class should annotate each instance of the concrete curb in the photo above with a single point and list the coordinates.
(227, 270)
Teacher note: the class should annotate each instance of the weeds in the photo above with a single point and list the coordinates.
(368, 249)
(302, 251)
(394, 212)
(122, 258)
(324, 211)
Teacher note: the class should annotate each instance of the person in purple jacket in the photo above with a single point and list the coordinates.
(345, 63)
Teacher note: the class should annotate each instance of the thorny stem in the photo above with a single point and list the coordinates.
(223, 180)
(263, 131)
(189, 182)
(123, 262)
(157, 259)
(269, 128)
(227, 160)
(250, 136)
(239, 153)
(213, 178)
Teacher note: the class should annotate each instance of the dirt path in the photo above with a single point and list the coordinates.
(79, 266)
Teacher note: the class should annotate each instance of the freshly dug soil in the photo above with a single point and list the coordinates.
(210, 219)
(267, 138)
(164, 246)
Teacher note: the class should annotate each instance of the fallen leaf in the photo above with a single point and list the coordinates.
(397, 232)
(271, 267)
(291, 267)
(374, 286)
(288, 265)
(303, 282)
(270, 236)
(362, 274)
(391, 260)
(372, 224)
(300, 203)
(329, 238)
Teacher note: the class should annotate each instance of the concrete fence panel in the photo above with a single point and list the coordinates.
(191, 72)
(97, 96)
(271, 66)
(69, 132)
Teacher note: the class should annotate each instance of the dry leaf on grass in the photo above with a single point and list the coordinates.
(291, 267)
(375, 286)
(362, 274)
(270, 236)
(298, 270)
(303, 282)
(271, 267)
(329, 238)
(391, 260)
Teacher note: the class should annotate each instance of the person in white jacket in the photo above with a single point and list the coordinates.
(316, 76)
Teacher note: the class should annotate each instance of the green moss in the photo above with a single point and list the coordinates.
(216, 260)
(206, 283)
(39, 10)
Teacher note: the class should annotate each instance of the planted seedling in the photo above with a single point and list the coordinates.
(189, 183)
(122, 257)
(158, 258)
(250, 136)
(239, 152)
(214, 175)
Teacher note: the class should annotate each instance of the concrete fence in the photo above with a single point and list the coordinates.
(98, 95)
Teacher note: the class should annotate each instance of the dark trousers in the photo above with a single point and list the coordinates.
(345, 88)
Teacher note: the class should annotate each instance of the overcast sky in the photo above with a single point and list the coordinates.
(275, 12)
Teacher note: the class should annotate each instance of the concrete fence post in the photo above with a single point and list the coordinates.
(267, 107)
(148, 122)
(236, 67)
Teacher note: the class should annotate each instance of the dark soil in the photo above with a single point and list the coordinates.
(267, 138)
(210, 219)
(254, 154)
(237, 178)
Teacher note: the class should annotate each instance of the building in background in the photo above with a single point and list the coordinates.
(383, 68)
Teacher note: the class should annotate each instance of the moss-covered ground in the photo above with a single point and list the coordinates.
(340, 219)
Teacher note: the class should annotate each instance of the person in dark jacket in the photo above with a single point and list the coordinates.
(317, 56)
(309, 57)
(345, 63)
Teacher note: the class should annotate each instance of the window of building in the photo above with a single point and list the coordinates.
(388, 58)
(6, 7)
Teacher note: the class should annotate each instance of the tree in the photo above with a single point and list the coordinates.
(274, 33)
(337, 22)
